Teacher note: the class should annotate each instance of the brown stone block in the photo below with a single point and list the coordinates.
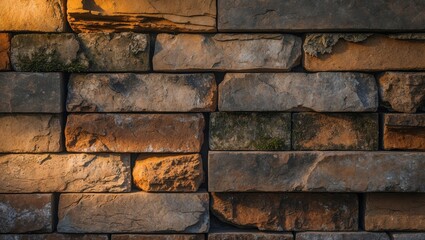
(341, 236)
(54, 236)
(4, 51)
(157, 237)
(404, 131)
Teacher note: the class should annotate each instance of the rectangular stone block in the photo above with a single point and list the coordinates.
(316, 171)
(395, 212)
(404, 131)
(26, 173)
(364, 52)
(331, 15)
(249, 236)
(250, 131)
(33, 16)
(407, 236)
(157, 237)
(288, 211)
(142, 15)
(85, 52)
(128, 92)
(31, 92)
(320, 92)
(54, 236)
(134, 213)
(335, 131)
(33, 133)
(341, 236)
(21, 213)
(134, 132)
(4, 51)
(226, 52)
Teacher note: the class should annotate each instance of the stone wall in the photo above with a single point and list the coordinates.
(212, 119)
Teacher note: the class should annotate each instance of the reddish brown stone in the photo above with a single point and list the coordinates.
(4, 51)
(404, 131)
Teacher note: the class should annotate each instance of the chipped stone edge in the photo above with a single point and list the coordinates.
(316, 44)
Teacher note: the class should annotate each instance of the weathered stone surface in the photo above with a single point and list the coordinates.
(331, 15)
(397, 212)
(134, 132)
(157, 237)
(321, 92)
(80, 53)
(20, 213)
(402, 91)
(374, 53)
(341, 236)
(335, 131)
(134, 212)
(250, 131)
(4, 51)
(31, 133)
(226, 52)
(34, 15)
(407, 236)
(54, 236)
(26, 173)
(145, 15)
(168, 173)
(249, 236)
(404, 131)
(316, 171)
(31, 92)
(128, 92)
(288, 211)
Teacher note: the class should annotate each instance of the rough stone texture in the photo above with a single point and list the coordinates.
(4, 51)
(321, 92)
(157, 237)
(145, 15)
(404, 131)
(249, 236)
(54, 236)
(31, 92)
(335, 131)
(250, 131)
(376, 53)
(134, 132)
(168, 173)
(341, 236)
(128, 92)
(26, 173)
(402, 91)
(395, 212)
(20, 213)
(331, 15)
(407, 236)
(34, 15)
(316, 171)
(31, 133)
(288, 211)
(226, 52)
(134, 212)
(80, 53)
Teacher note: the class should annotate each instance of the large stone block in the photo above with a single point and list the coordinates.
(134, 212)
(404, 131)
(395, 212)
(407, 236)
(231, 235)
(250, 131)
(316, 171)
(134, 132)
(144, 15)
(341, 236)
(54, 236)
(31, 92)
(364, 52)
(157, 237)
(321, 92)
(31, 133)
(331, 15)
(288, 211)
(335, 131)
(128, 92)
(33, 16)
(4, 51)
(226, 52)
(402, 91)
(21, 213)
(26, 173)
(80, 53)
(168, 173)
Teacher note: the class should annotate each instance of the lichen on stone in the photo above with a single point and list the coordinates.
(42, 61)
(316, 44)
(408, 36)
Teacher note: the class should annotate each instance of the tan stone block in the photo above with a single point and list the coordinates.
(4, 51)
(404, 131)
